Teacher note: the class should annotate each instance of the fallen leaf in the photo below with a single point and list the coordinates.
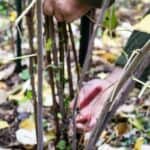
(6, 72)
(50, 135)
(27, 124)
(26, 137)
(25, 107)
(138, 143)
(3, 124)
(122, 128)
(143, 25)
(110, 57)
(3, 86)
(18, 96)
(3, 96)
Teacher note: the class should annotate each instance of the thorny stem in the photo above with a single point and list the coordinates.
(85, 67)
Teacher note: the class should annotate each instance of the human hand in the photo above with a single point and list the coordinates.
(65, 10)
(90, 103)
(92, 97)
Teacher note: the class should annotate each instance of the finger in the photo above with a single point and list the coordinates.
(92, 123)
(89, 97)
(82, 127)
(48, 7)
(83, 118)
(87, 93)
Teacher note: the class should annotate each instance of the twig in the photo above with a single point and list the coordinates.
(40, 75)
(139, 81)
(29, 20)
(19, 18)
(74, 52)
(110, 106)
(71, 91)
(68, 61)
(146, 85)
(20, 57)
(130, 67)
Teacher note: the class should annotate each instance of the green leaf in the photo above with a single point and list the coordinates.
(67, 101)
(29, 94)
(61, 145)
(3, 9)
(48, 45)
(110, 19)
(137, 123)
(25, 75)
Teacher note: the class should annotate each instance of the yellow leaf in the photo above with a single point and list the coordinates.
(121, 128)
(110, 57)
(17, 96)
(138, 143)
(27, 124)
(3, 124)
(144, 24)
(50, 135)
(12, 16)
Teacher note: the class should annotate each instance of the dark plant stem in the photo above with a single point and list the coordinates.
(50, 36)
(62, 48)
(85, 67)
(40, 75)
(74, 51)
(86, 28)
(68, 61)
(18, 37)
(29, 20)
(71, 91)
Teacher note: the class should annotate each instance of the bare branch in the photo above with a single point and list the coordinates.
(126, 85)
(40, 76)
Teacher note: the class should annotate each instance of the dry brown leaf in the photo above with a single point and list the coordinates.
(121, 128)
